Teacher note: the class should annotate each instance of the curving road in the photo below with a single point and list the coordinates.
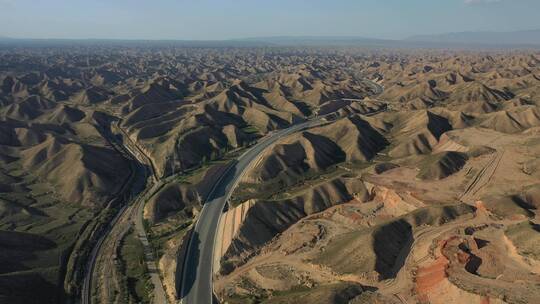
(196, 283)
(133, 210)
(376, 87)
(86, 290)
(197, 271)
(137, 216)
(197, 274)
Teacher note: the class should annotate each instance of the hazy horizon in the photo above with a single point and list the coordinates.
(293, 152)
(263, 38)
(224, 20)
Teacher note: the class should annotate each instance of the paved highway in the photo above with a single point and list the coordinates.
(86, 291)
(134, 212)
(137, 216)
(196, 282)
(87, 283)
(377, 88)
(197, 274)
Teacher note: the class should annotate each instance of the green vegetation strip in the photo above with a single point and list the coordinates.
(132, 265)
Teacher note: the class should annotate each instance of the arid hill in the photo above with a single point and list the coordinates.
(419, 183)
(452, 156)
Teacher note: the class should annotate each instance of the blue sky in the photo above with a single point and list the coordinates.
(226, 19)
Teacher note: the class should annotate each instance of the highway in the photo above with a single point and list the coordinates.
(197, 287)
(196, 282)
(377, 88)
(87, 283)
(137, 216)
(197, 274)
(134, 213)
(86, 292)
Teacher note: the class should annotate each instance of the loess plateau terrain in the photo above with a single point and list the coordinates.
(420, 183)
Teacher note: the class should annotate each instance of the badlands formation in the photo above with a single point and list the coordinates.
(426, 192)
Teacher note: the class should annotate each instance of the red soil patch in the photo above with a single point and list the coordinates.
(480, 207)
(517, 217)
(355, 217)
(354, 201)
(463, 257)
(428, 277)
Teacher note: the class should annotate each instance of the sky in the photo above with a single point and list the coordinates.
(233, 19)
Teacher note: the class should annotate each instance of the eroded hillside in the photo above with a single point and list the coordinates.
(427, 202)
(425, 191)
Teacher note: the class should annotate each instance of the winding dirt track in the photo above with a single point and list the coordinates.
(482, 178)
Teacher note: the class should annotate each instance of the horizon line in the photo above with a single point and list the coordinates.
(351, 37)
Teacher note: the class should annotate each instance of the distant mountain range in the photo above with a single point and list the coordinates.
(531, 37)
(517, 39)
(318, 40)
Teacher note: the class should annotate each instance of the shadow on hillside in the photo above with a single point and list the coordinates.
(223, 182)
(187, 274)
(392, 244)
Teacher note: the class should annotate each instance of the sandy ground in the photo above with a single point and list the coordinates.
(424, 276)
